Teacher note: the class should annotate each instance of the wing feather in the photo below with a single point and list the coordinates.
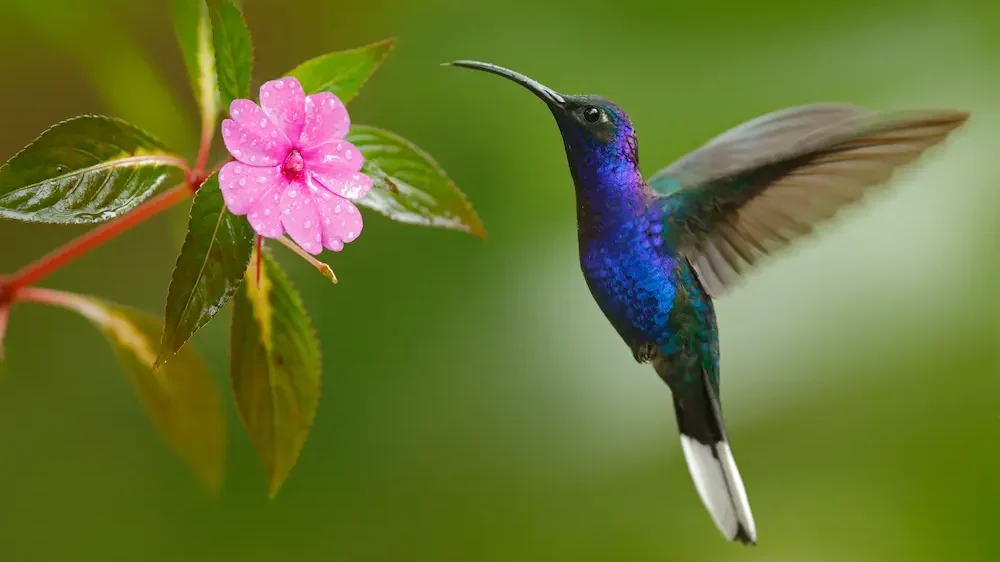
(756, 188)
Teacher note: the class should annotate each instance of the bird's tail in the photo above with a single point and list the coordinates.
(703, 438)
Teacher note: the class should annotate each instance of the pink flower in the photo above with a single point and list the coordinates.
(294, 172)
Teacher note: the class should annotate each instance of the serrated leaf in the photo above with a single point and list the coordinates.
(410, 186)
(86, 170)
(233, 50)
(274, 367)
(209, 269)
(193, 26)
(344, 72)
(180, 398)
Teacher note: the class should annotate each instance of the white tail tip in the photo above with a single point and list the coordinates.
(721, 489)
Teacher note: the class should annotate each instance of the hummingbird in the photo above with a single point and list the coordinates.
(656, 253)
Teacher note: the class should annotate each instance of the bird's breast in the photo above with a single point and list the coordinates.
(631, 278)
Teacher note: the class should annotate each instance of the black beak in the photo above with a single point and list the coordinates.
(554, 99)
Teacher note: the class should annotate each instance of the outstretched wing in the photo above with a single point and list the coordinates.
(757, 187)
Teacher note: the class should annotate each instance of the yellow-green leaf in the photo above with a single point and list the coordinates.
(209, 268)
(410, 187)
(344, 72)
(180, 397)
(85, 170)
(274, 367)
(193, 27)
(233, 50)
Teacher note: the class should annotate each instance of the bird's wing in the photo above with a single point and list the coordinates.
(757, 187)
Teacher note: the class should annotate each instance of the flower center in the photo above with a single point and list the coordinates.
(294, 166)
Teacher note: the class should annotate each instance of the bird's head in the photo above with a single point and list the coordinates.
(597, 133)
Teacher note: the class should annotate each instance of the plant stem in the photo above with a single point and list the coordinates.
(48, 296)
(206, 145)
(323, 268)
(80, 304)
(4, 314)
(32, 273)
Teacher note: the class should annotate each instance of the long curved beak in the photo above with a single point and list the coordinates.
(551, 97)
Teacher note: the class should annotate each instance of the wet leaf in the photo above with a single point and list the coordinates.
(274, 367)
(86, 170)
(342, 72)
(410, 186)
(180, 397)
(209, 269)
(193, 27)
(233, 50)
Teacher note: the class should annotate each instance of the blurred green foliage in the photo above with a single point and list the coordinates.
(476, 405)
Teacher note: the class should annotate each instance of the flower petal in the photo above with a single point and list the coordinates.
(326, 120)
(335, 165)
(265, 214)
(352, 186)
(284, 102)
(243, 185)
(336, 157)
(251, 137)
(340, 219)
(300, 218)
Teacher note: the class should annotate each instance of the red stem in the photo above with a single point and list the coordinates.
(206, 145)
(4, 314)
(50, 297)
(49, 263)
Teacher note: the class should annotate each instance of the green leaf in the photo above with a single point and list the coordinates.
(181, 397)
(342, 72)
(86, 170)
(209, 269)
(233, 50)
(410, 186)
(274, 367)
(193, 27)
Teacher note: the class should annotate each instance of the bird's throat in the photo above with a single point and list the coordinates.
(610, 192)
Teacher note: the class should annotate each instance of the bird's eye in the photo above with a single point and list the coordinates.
(592, 114)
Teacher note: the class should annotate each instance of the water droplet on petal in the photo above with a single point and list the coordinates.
(263, 123)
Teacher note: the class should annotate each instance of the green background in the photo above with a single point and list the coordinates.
(477, 406)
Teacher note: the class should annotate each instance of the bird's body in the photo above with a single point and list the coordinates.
(656, 252)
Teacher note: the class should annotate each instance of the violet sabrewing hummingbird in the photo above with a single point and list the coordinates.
(656, 252)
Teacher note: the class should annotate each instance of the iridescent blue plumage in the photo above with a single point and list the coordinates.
(654, 254)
